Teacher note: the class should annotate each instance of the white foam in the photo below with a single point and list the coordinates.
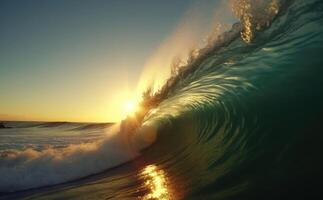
(20, 170)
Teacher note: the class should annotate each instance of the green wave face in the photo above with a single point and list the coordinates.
(247, 123)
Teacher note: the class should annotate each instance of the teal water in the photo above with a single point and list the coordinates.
(246, 123)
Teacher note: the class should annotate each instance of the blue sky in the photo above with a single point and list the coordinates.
(67, 60)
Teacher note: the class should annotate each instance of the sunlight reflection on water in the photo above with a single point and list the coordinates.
(156, 183)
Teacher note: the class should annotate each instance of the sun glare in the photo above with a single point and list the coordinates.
(130, 107)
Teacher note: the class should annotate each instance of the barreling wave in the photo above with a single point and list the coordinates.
(239, 120)
(242, 117)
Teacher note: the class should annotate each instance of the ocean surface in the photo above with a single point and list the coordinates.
(244, 122)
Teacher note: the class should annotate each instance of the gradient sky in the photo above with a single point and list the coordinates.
(77, 60)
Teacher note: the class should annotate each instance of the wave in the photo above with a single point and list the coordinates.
(94, 126)
(243, 114)
(254, 16)
(30, 168)
(53, 124)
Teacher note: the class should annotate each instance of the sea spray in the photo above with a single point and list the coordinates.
(32, 168)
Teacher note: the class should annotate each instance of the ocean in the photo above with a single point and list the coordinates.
(243, 120)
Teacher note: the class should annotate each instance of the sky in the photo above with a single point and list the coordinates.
(78, 60)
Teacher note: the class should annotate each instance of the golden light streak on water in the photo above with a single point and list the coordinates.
(156, 183)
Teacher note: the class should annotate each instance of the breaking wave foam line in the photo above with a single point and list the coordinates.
(21, 170)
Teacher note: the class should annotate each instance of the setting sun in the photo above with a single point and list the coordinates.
(130, 107)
